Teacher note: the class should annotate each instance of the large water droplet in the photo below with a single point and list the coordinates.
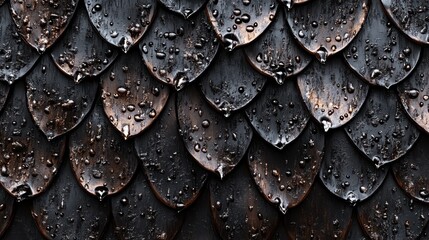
(322, 55)
(282, 206)
(78, 76)
(226, 108)
(327, 124)
(180, 80)
(125, 44)
(22, 192)
(424, 193)
(352, 198)
(375, 73)
(205, 123)
(220, 170)
(126, 131)
(101, 192)
(412, 93)
(288, 3)
(377, 161)
(280, 77)
(230, 41)
(187, 12)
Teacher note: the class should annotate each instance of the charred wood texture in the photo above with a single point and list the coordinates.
(214, 119)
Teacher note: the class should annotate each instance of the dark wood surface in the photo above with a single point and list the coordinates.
(214, 119)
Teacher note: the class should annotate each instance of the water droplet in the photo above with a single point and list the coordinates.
(131, 107)
(124, 201)
(101, 192)
(114, 34)
(377, 161)
(187, 12)
(125, 131)
(236, 12)
(121, 90)
(97, 173)
(321, 55)
(407, 51)
(205, 123)
(4, 171)
(352, 198)
(350, 88)
(280, 77)
(197, 147)
(97, 8)
(125, 44)
(68, 104)
(363, 189)
(424, 193)
(338, 38)
(245, 18)
(220, 170)
(22, 192)
(282, 206)
(407, 67)
(288, 3)
(375, 73)
(327, 124)
(78, 76)
(152, 113)
(314, 24)
(180, 80)
(250, 28)
(160, 55)
(226, 108)
(412, 93)
(230, 41)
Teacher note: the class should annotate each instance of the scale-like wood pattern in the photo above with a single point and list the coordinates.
(214, 119)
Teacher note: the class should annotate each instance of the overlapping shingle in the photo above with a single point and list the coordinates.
(41, 23)
(229, 87)
(332, 93)
(242, 140)
(102, 161)
(121, 23)
(391, 214)
(82, 53)
(16, 57)
(177, 50)
(55, 102)
(239, 210)
(278, 115)
(286, 176)
(324, 28)
(132, 98)
(382, 61)
(240, 22)
(29, 161)
(218, 143)
(277, 59)
(382, 131)
(66, 211)
(174, 176)
(347, 172)
(410, 17)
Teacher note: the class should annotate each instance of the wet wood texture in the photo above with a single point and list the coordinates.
(214, 119)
